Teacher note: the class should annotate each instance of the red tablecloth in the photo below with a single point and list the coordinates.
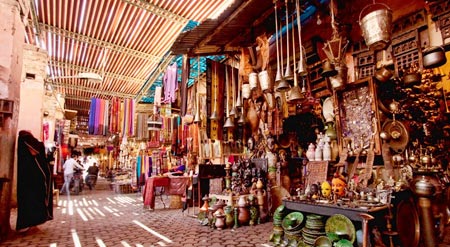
(172, 185)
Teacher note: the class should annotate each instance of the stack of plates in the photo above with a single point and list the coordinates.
(314, 228)
(292, 225)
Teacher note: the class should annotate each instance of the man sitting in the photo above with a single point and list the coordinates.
(91, 177)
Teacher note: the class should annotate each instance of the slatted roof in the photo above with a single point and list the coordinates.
(126, 42)
(129, 43)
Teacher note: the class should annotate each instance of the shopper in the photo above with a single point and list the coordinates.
(69, 168)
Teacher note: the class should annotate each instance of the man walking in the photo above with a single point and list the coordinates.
(69, 167)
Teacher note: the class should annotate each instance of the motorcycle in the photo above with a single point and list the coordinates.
(91, 181)
(77, 181)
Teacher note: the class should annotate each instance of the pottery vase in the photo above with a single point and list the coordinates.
(318, 155)
(310, 153)
(243, 216)
(331, 131)
(326, 151)
(253, 215)
(229, 217)
(259, 184)
(334, 149)
(242, 202)
(220, 221)
(260, 196)
(263, 215)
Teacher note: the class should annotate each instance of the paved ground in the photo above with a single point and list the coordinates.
(105, 218)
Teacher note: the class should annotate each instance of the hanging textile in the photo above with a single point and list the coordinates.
(141, 127)
(184, 81)
(170, 83)
(114, 115)
(128, 113)
(157, 97)
(98, 117)
(34, 183)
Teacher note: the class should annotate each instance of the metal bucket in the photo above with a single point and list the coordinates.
(376, 27)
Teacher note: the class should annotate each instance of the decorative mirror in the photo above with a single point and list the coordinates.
(357, 117)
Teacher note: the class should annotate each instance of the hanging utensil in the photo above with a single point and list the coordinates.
(197, 118)
(302, 70)
(283, 85)
(288, 75)
(214, 115)
(238, 100)
(228, 122)
(278, 76)
(295, 94)
(233, 111)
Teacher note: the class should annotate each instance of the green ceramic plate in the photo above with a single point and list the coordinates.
(323, 241)
(292, 221)
(343, 243)
(342, 226)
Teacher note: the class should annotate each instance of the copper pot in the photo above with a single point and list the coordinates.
(383, 74)
(433, 57)
(412, 78)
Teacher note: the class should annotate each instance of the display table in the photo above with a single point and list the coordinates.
(331, 209)
(172, 186)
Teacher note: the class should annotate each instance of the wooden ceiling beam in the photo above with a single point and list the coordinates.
(154, 9)
(90, 90)
(98, 71)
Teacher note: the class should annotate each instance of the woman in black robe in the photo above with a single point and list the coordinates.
(34, 183)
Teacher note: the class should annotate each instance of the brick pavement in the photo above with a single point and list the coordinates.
(105, 218)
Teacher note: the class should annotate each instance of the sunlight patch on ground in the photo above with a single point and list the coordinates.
(100, 242)
(70, 208)
(100, 212)
(76, 239)
(108, 209)
(125, 243)
(111, 200)
(164, 238)
(80, 212)
(86, 212)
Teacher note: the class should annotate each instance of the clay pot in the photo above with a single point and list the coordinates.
(243, 216)
(220, 221)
